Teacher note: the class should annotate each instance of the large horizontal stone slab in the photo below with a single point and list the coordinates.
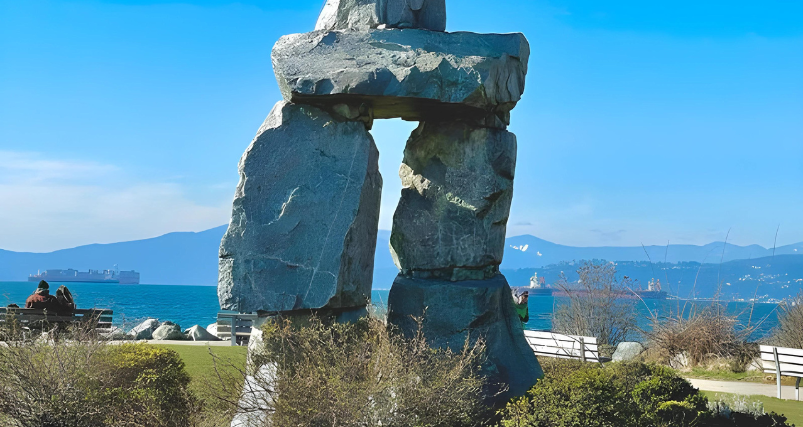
(457, 186)
(454, 311)
(368, 14)
(306, 211)
(412, 74)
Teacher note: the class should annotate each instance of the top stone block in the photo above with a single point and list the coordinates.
(412, 74)
(369, 14)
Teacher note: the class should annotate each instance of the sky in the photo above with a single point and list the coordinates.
(642, 122)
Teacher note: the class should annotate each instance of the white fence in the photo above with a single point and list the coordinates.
(549, 344)
(783, 361)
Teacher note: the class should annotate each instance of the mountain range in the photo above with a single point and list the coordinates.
(191, 258)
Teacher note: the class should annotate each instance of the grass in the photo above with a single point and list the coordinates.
(724, 375)
(728, 375)
(201, 365)
(791, 409)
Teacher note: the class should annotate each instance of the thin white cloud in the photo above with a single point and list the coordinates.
(22, 167)
(49, 204)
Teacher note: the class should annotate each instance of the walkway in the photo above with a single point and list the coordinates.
(745, 388)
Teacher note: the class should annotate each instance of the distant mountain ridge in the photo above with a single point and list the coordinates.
(183, 258)
(531, 252)
(192, 258)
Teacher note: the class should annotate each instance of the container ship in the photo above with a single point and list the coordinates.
(91, 276)
(537, 288)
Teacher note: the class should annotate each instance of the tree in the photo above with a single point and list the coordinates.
(595, 305)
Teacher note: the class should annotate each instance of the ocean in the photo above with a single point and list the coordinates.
(198, 305)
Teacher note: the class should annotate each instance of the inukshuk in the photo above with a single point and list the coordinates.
(304, 223)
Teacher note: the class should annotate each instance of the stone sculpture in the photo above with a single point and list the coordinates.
(304, 223)
(308, 196)
(367, 14)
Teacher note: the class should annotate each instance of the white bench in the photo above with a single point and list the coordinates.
(550, 344)
(240, 323)
(783, 361)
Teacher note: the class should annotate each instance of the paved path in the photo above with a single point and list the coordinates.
(746, 388)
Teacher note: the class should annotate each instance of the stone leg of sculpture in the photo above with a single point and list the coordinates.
(448, 241)
(473, 309)
(306, 211)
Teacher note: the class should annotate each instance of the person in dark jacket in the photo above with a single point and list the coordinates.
(42, 299)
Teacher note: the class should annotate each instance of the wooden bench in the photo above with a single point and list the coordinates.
(783, 361)
(241, 323)
(549, 344)
(35, 318)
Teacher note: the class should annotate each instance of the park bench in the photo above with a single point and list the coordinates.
(241, 323)
(36, 318)
(550, 344)
(783, 361)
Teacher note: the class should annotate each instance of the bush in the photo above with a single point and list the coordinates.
(595, 306)
(620, 394)
(87, 383)
(150, 380)
(700, 336)
(360, 374)
(789, 332)
(744, 413)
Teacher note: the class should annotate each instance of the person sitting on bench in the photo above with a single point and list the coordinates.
(42, 299)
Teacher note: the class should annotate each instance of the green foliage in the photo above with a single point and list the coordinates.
(620, 394)
(362, 374)
(150, 378)
(54, 383)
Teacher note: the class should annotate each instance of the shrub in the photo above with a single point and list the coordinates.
(151, 380)
(360, 374)
(789, 332)
(743, 412)
(701, 335)
(620, 394)
(595, 306)
(87, 383)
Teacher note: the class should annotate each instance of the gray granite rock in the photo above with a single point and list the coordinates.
(453, 311)
(144, 331)
(412, 74)
(457, 186)
(168, 331)
(368, 14)
(198, 333)
(305, 217)
(627, 351)
(349, 14)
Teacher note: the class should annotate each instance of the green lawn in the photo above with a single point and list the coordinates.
(201, 364)
(727, 375)
(724, 375)
(791, 409)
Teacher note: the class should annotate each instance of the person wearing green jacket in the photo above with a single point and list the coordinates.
(522, 307)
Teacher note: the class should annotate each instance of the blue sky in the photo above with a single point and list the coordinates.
(642, 122)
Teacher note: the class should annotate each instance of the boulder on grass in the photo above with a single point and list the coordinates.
(144, 331)
(115, 333)
(168, 331)
(198, 333)
(212, 329)
(627, 351)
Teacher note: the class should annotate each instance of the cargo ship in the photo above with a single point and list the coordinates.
(537, 288)
(91, 276)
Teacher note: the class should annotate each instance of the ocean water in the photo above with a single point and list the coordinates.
(198, 305)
